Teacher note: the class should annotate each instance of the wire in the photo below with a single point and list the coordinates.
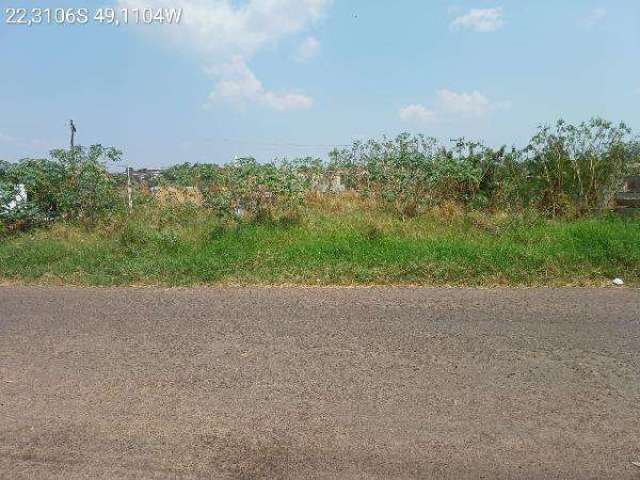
(276, 144)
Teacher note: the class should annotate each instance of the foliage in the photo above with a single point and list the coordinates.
(200, 175)
(312, 171)
(568, 170)
(578, 168)
(399, 171)
(565, 170)
(411, 173)
(260, 192)
(73, 184)
(21, 214)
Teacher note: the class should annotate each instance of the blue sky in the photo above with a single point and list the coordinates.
(276, 78)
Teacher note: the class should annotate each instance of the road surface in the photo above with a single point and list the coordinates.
(380, 383)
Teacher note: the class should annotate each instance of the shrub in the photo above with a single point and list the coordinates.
(22, 214)
(73, 184)
(564, 170)
(578, 168)
(259, 192)
(569, 170)
(410, 173)
(395, 170)
(199, 175)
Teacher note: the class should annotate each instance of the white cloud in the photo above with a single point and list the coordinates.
(237, 82)
(220, 27)
(240, 86)
(417, 113)
(473, 104)
(308, 49)
(480, 20)
(453, 105)
(596, 16)
(221, 31)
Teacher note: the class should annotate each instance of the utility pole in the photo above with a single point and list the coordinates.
(72, 127)
(129, 190)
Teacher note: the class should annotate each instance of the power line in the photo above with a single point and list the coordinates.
(279, 144)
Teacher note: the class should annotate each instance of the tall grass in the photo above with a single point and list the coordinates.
(333, 243)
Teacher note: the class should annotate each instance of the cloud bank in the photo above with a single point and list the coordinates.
(226, 36)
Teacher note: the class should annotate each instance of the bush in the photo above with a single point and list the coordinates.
(258, 192)
(73, 184)
(22, 214)
(411, 173)
(578, 168)
(570, 170)
(566, 170)
(199, 175)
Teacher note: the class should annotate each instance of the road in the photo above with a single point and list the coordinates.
(379, 383)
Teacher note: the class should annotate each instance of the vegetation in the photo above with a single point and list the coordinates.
(72, 185)
(336, 241)
(247, 189)
(566, 171)
(414, 211)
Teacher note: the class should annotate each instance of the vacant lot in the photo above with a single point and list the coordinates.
(335, 241)
(319, 383)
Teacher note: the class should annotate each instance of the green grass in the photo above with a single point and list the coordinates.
(333, 244)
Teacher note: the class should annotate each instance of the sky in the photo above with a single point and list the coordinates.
(291, 78)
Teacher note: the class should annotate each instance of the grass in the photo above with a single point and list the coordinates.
(336, 242)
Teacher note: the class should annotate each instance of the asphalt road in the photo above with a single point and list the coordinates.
(379, 383)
